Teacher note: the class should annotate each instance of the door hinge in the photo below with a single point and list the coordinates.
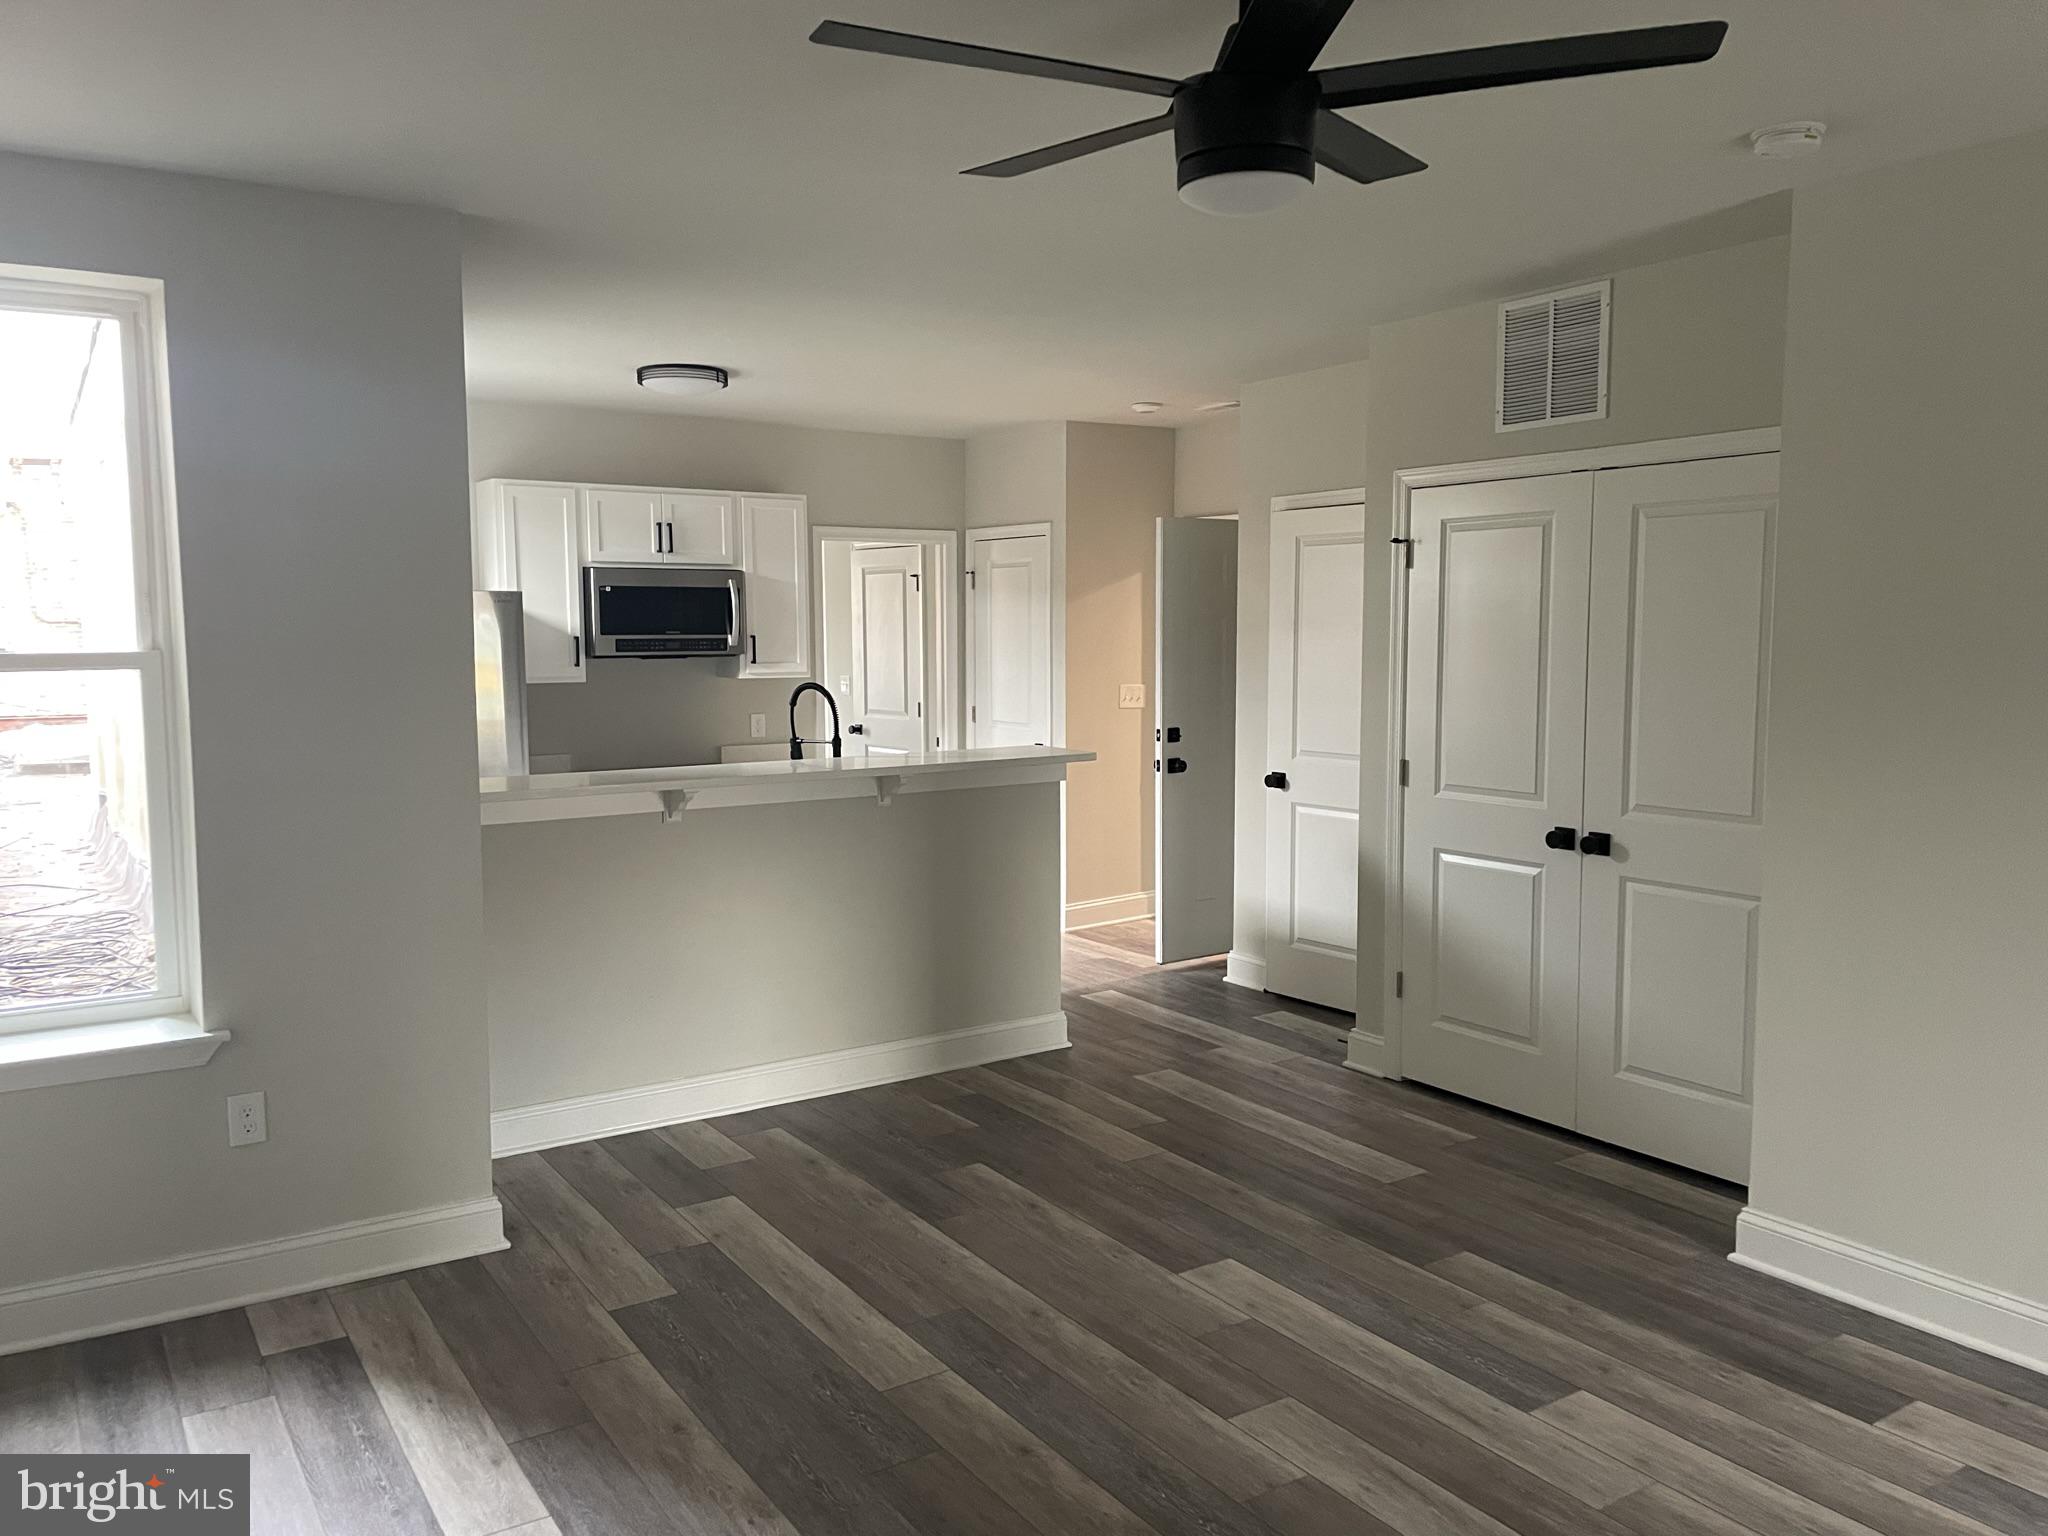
(1400, 983)
(1407, 551)
(973, 712)
(916, 582)
(1404, 773)
(970, 576)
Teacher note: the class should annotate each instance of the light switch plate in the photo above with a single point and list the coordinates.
(1130, 696)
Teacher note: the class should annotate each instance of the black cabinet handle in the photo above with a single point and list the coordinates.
(577, 641)
(1563, 839)
(754, 649)
(1176, 765)
(1276, 780)
(1599, 845)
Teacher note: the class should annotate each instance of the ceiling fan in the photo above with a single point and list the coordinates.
(1250, 131)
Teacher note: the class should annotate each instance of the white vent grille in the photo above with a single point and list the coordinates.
(1553, 358)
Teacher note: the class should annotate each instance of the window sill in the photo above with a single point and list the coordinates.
(85, 1053)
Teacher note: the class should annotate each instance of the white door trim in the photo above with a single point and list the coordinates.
(944, 685)
(1382, 1056)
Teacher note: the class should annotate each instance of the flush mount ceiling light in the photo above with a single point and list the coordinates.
(682, 378)
(1147, 407)
(1787, 141)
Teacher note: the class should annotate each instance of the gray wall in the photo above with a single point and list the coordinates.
(1902, 1050)
(315, 360)
(729, 939)
(1698, 347)
(638, 714)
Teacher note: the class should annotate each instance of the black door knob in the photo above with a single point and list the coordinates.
(1563, 839)
(1276, 781)
(856, 729)
(1599, 845)
(1176, 765)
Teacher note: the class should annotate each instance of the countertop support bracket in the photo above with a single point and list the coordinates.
(886, 786)
(676, 801)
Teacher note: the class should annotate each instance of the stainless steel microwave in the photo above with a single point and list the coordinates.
(662, 610)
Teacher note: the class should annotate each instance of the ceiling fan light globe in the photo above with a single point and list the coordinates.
(1241, 194)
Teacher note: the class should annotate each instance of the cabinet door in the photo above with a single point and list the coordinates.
(537, 535)
(697, 528)
(775, 553)
(622, 526)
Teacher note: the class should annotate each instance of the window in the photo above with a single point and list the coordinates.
(95, 908)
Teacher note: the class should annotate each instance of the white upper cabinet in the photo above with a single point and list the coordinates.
(775, 553)
(534, 537)
(699, 528)
(527, 542)
(622, 526)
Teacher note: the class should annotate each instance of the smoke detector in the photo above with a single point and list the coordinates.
(1787, 141)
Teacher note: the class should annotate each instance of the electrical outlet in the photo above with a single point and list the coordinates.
(759, 725)
(1130, 696)
(247, 1123)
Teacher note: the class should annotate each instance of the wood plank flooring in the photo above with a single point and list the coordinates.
(1190, 1275)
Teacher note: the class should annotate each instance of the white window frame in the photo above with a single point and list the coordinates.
(135, 305)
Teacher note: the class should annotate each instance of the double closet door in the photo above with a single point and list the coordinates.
(1588, 656)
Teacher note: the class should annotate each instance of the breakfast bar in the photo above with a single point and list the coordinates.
(671, 943)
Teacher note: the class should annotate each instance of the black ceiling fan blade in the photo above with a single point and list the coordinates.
(1557, 58)
(1280, 37)
(1074, 149)
(1352, 151)
(937, 50)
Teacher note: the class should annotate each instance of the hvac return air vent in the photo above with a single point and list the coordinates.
(1553, 358)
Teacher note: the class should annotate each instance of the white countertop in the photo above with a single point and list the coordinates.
(673, 791)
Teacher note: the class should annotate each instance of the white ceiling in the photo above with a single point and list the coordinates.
(657, 180)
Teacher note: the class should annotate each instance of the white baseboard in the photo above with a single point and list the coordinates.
(533, 1127)
(2010, 1327)
(137, 1295)
(1104, 910)
(1245, 971)
(1368, 1054)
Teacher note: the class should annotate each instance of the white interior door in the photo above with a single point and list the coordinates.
(887, 699)
(1195, 695)
(1496, 750)
(1010, 683)
(1679, 658)
(1316, 646)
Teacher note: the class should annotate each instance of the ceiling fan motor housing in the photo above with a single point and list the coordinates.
(1245, 123)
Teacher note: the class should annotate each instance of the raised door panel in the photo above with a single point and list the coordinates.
(1315, 650)
(1679, 665)
(1495, 739)
(887, 699)
(538, 545)
(1011, 637)
(621, 526)
(775, 554)
(699, 528)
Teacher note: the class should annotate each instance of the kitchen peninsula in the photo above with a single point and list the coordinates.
(666, 944)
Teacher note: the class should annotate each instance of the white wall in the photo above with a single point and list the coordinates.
(1902, 1050)
(635, 714)
(1698, 347)
(315, 360)
(1205, 480)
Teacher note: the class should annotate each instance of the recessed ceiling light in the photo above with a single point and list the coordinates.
(682, 378)
(1147, 407)
(1787, 141)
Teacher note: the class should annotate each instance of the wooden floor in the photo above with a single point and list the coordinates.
(1188, 1276)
